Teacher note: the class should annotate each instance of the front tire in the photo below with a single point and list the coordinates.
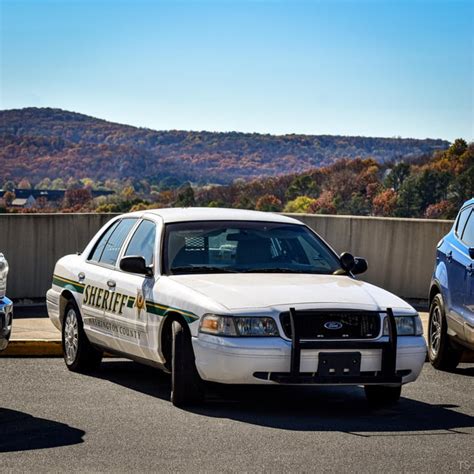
(442, 354)
(380, 395)
(79, 354)
(186, 385)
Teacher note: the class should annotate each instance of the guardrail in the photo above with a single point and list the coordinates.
(400, 252)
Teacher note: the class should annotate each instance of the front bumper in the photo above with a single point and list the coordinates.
(6, 321)
(387, 360)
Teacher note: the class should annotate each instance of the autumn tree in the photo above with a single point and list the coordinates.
(301, 204)
(397, 175)
(24, 184)
(76, 198)
(268, 203)
(324, 204)
(9, 197)
(185, 196)
(385, 203)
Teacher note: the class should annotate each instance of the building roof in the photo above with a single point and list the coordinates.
(19, 202)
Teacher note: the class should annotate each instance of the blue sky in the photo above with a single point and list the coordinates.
(373, 68)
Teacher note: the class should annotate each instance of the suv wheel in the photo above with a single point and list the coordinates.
(79, 354)
(441, 352)
(186, 385)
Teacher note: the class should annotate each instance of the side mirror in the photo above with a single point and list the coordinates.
(360, 266)
(347, 261)
(355, 265)
(135, 264)
(471, 253)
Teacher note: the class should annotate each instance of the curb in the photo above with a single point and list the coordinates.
(33, 348)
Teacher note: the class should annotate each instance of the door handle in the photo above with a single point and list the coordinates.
(111, 284)
(449, 256)
(81, 276)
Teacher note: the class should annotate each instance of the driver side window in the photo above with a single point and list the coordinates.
(143, 242)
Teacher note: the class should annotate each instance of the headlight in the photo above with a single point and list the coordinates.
(238, 326)
(407, 325)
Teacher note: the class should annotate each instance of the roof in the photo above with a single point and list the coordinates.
(19, 202)
(186, 214)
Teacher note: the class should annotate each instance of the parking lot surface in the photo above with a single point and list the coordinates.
(120, 419)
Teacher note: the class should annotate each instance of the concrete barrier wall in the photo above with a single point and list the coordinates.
(33, 243)
(400, 251)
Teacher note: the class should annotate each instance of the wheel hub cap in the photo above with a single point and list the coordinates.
(71, 336)
(435, 330)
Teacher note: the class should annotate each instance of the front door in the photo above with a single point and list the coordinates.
(134, 336)
(456, 262)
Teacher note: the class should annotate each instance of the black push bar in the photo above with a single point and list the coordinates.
(387, 374)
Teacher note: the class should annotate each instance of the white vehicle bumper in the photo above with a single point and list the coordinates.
(236, 360)
(52, 304)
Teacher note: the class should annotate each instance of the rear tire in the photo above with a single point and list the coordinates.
(186, 385)
(79, 354)
(380, 395)
(442, 354)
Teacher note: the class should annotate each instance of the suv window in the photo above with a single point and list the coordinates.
(462, 221)
(468, 234)
(108, 247)
(143, 242)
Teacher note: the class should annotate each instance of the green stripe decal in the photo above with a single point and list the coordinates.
(69, 284)
(151, 306)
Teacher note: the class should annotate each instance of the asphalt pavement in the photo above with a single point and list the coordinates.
(119, 419)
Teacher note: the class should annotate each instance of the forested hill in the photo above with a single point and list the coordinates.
(37, 143)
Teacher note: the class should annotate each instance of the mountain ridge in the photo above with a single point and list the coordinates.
(36, 143)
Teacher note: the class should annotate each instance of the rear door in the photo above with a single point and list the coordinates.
(467, 239)
(99, 294)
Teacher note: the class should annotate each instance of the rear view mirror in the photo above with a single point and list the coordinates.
(135, 264)
(471, 253)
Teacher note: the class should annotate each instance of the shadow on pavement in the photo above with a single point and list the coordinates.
(343, 409)
(22, 432)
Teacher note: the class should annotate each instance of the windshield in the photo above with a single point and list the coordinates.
(228, 247)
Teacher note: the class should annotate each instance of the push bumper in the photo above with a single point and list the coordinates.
(6, 321)
(386, 361)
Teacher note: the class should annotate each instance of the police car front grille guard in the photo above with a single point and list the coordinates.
(387, 374)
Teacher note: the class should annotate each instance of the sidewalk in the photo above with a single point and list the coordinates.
(33, 337)
(38, 337)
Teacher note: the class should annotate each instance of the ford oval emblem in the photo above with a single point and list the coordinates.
(333, 325)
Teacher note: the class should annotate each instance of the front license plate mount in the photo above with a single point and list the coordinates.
(339, 364)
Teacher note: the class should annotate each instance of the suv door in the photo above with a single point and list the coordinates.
(457, 259)
(134, 334)
(99, 293)
(467, 239)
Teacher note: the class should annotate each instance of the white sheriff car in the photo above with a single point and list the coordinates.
(232, 296)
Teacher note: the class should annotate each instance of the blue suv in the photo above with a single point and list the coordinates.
(451, 324)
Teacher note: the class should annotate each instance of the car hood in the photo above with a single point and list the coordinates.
(262, 290)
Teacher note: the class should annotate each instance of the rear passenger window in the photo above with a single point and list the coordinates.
(109, 246)
(468, 234)
(143, 242)
(99, 247)
(462, 221)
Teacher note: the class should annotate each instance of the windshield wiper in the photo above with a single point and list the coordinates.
(201, 269)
